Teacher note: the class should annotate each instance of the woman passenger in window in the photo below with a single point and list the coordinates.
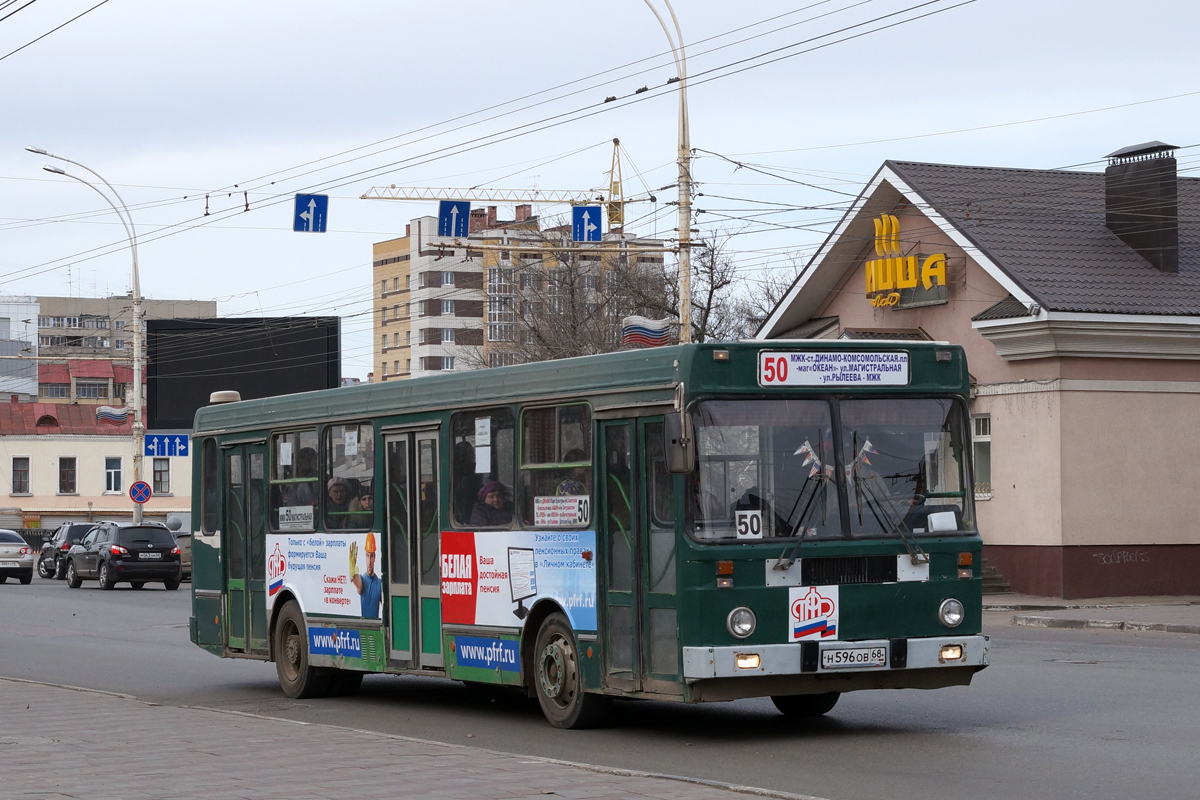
(363, 509)
(493, 507)
(337, 504)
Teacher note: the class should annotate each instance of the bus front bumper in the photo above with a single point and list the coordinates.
(813, 658)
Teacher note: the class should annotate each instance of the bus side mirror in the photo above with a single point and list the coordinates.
(680, 446)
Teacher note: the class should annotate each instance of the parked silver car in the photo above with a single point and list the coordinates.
(16, 557)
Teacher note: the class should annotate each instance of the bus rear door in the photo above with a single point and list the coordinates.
(243, 543)
(413, 541)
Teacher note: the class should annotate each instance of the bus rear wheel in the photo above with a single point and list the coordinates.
(557, 680)
(297, 677)
(805, 705)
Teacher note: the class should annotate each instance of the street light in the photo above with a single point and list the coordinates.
(685, 174)
(139, 429)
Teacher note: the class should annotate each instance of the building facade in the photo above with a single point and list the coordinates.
(19, 347)
(1076, 296)
(60, 463)
(439, 308)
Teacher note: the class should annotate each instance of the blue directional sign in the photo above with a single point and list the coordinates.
(311, 210)
(585, 224)
(139, 492)
(166, 444)
(454, 218)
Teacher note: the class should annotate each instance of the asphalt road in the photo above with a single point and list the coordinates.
(1059, 714)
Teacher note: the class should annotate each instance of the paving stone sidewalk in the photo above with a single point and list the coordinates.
(1162, 614)
(58, 742)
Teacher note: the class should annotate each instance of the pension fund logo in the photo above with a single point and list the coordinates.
(276, 569)
(893, 271)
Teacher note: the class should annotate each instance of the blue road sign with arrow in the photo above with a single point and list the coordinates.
(585, 224)
(165, 444)
(311, 210)
(454, 217)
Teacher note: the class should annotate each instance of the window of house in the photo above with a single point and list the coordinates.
(448, 335)
(447, 306)
(383, 287)
(54, 390)
(395, 339)
(162, 476)
(556, 466)
(383, 371)
(396, 366)
(384, 342)
(119, 324)
(530, 280)
(447, 362)
(91, 391)
(20, 475)
(408, 337)
(408, 365)
(396, 284)
(349, 477)
(484, 447)
(295, 489)
(112, 475)
(447, 279)
(66, 475)
(981, 429)
(119, 390)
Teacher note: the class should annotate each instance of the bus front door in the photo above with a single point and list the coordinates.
(413, 543)
(641, 648)
(244, 547)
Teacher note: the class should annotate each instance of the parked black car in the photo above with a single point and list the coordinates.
(52, 563)
(116, 552)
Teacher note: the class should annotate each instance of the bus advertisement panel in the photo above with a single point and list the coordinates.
(495, 577)
(333, 575)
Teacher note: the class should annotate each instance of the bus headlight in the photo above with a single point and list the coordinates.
(951, 613)
(741, 622)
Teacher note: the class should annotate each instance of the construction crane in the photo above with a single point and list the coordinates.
(615, 203)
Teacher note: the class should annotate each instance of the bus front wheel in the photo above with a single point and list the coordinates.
(297, 677)
(805, 705)
(558, 682)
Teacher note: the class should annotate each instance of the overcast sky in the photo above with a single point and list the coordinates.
(173, 100)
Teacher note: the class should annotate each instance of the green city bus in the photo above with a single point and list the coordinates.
(791, 519)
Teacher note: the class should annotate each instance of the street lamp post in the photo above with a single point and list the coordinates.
(139, 428)
(684, 160)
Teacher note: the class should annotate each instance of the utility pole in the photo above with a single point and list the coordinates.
(139, 428)
(684, 159)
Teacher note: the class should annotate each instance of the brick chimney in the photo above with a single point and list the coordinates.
(478, 220)
(524, 212)
(1141, 202)
(491, 216)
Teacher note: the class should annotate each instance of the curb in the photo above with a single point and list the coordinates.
(1033, 621)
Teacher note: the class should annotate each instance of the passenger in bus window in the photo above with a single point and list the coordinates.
(362, 509)
(493, 507)
(337, 505)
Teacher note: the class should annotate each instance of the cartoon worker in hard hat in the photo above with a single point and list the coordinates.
(368, 584)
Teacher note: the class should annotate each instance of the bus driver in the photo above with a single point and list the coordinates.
(368, 584)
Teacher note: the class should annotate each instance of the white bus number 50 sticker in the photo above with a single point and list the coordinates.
(749, 524)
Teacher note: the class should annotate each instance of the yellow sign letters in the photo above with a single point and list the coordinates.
(894, 270)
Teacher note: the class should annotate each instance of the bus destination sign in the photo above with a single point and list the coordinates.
(833, 368)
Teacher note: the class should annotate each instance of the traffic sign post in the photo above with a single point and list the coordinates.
(139, 492)
(166, 444)
(310, 213)
(454, 218)
(585, 224)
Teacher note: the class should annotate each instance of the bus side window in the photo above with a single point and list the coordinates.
(294, 481)
(556, 467)
(483, 445)
(349, 477)
(210, 489)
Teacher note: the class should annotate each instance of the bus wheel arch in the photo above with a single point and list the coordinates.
(556, 676)
(529, 634)
(283, 599)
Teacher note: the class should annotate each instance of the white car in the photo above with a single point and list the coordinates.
(16, 557)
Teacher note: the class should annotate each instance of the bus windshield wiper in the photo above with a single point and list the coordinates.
(785, 563)
(880, 508)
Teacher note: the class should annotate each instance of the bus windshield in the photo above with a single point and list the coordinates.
(767, 469)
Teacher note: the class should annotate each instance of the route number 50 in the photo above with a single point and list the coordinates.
(775, 369)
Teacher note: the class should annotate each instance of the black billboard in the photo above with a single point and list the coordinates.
(189, 359)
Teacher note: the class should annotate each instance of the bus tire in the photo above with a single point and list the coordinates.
(297, 677)
(805, 705)
(557, 682)
(344, 683)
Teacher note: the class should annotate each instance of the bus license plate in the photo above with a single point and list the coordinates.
(849, 657)
(149, 555)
